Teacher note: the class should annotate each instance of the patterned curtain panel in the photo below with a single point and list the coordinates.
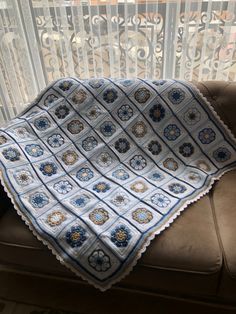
(42, 40)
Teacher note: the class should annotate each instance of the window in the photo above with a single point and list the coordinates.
(43, 40)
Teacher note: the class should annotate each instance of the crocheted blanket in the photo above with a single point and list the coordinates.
(96, 168)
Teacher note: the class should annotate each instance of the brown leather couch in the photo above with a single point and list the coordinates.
(189, 268)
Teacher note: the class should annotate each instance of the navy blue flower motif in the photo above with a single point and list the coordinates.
(96, 83)
(176, 95)
(138, 162)
(76, 236)
(84, 174)
(142, 95)
(172, 132)
(55, 140)
(80, 201)
(156, 176)
(192, 116)
(222, 154)
(42, 123)
(62, 111)
(101, 187)
(186, 149)
(120, 174)
(34, 150)
(11, 154)
(107, 128)
(122, 145)
(160, 200)
(159, 82)
(49, 100)
(110, 95)
(48, 168)
(177, 188)
(89, 143)
(206, 136)
(125, 112)
(75, 126)
(39, 200)
(99, 261)
(157, 112)
(121, 236)
(154, 147)
(65, 85)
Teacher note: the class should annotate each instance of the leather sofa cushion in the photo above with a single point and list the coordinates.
(224, 200)
(186, 258)
(222, 96)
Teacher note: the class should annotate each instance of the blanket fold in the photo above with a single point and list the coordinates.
(97, 168)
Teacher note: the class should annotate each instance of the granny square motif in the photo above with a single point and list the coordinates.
(96, 168)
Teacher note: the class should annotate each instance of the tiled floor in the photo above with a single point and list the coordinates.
(7, 307)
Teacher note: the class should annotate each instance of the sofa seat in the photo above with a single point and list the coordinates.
(224, 203)
(194, 258)
(186, 258)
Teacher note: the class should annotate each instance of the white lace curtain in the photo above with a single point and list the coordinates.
(42, 40)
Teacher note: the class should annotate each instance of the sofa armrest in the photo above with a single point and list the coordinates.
(222, 97)
(223, 203)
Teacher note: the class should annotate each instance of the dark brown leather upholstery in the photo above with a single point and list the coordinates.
(181, 250)
(196, 257)
(4, 201)
(222, 96)
(224, 203)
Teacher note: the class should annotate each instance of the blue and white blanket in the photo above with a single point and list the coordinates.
(98, 167)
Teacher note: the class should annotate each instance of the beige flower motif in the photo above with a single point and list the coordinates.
(170, 164)
(3, 140)
(99, 216)
(142, 95)
(70, 157)
(75, 126)
(142, 215)
(203, 165)
(139, 187)
(56, 218)
(139, 129)
(79, 97)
